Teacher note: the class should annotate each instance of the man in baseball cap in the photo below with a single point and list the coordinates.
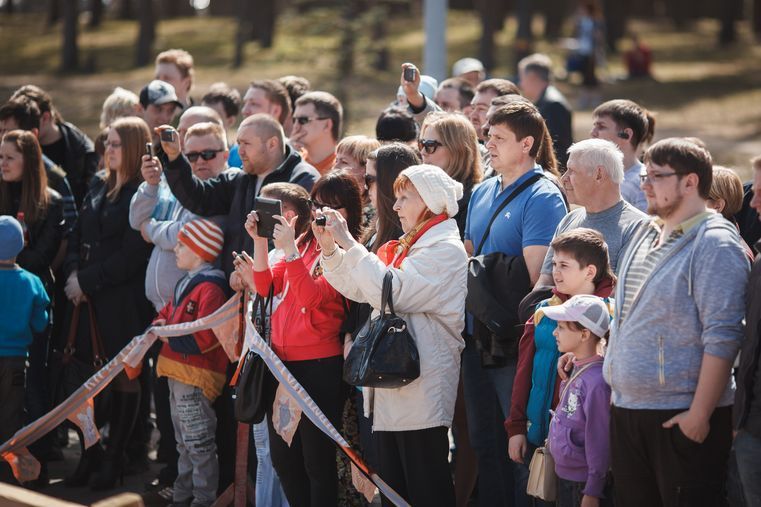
(470, 69)
(159, 103)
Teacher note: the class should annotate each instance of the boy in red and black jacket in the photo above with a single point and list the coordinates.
(195, 363)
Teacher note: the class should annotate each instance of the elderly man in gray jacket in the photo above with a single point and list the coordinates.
(678, 326)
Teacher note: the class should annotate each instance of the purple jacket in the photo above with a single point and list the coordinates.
(579, 430)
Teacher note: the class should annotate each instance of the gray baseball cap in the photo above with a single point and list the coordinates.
(158, 93)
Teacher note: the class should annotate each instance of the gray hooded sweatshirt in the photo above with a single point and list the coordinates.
(692, 304)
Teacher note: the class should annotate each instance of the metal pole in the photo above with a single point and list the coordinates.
(435, 48)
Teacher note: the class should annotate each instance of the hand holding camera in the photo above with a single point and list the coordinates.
(170, 141)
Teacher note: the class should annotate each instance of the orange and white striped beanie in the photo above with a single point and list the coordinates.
(203, 237)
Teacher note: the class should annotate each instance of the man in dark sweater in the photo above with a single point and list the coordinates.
(535, 82)
(266, 159)
(747, 407)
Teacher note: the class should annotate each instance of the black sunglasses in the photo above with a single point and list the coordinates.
(205, 154)
(428, 145)
(303, 120)
(370, 179)
(317, 205)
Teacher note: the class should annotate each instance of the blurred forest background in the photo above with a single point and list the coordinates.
(707, 59)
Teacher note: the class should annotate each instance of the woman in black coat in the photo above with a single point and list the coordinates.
(24, 193)
(105, 268)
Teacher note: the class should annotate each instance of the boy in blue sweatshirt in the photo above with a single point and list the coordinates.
(23, 311)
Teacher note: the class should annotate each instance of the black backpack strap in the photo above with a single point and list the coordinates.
(502, 206)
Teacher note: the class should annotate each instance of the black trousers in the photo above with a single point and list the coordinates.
(414, 464)
(655, 466)
(307, 469)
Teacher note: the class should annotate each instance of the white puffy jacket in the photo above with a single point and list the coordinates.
(429, 294)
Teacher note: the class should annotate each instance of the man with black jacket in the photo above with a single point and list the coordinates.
(747, 408)
(266, 159)
(536, 84)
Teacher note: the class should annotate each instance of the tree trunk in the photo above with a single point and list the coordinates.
(176, 9)
(54, 12)
(146, 33)
(524, 14)
(492, 15)
(555, 12)
(264, 23)
(731, 11)
(347, 46)
(243, 34)
(9, 7)
(379, 41)
(96, 13)
(69, 49)
(615, 14)
(126, 10)
(756, 19)
(224, 8)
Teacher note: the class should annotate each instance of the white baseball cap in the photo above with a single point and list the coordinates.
(465, 65)
(589, 311)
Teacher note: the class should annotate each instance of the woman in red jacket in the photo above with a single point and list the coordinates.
(306, 336)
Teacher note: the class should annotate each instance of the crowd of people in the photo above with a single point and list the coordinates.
(583, 299)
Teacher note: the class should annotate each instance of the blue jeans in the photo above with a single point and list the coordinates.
(748, 454)
(268, 488)
(487, 403)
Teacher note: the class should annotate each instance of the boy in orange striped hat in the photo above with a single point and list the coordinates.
(195, 363)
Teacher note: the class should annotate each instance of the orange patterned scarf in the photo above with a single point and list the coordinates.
(394, 252)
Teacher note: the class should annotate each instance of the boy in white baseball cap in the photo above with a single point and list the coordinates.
(581, 419)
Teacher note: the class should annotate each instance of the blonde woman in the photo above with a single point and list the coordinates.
(449, 141)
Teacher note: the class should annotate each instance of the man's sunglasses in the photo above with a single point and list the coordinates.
(303, 120)
(370, 179)
(428, 145)
(205, 154)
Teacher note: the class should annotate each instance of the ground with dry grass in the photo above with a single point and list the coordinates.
(700, 90)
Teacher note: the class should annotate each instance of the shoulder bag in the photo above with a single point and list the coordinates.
(384, 353)
(496, 285)
(250, 402)
(542, 479)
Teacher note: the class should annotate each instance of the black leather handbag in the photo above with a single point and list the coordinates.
(250, 394)
(384, 354)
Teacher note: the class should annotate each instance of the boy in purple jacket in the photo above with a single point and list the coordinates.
(579, 431)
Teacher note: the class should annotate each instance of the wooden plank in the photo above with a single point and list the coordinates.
(121, 500)
(15, 496)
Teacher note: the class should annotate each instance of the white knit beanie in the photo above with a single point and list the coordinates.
(438, 190)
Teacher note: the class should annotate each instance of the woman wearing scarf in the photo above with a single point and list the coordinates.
(429, 265)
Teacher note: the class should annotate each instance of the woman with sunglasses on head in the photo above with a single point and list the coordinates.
(429, 267)
(449, 141)
(306, 336)
(105, 265)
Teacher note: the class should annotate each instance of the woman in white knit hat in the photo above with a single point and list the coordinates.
(429, 265)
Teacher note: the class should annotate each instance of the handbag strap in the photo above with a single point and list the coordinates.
(574, 377)
(386, 298)
(69, 348)
(98, 352)
(515, 193)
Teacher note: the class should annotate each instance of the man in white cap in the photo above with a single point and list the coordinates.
(470, 69)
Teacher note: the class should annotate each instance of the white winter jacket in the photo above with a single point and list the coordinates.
(429, 294)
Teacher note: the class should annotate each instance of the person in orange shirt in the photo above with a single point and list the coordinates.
(317, 125)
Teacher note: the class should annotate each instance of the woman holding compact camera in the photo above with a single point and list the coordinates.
(305, 334)
(429, 267)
